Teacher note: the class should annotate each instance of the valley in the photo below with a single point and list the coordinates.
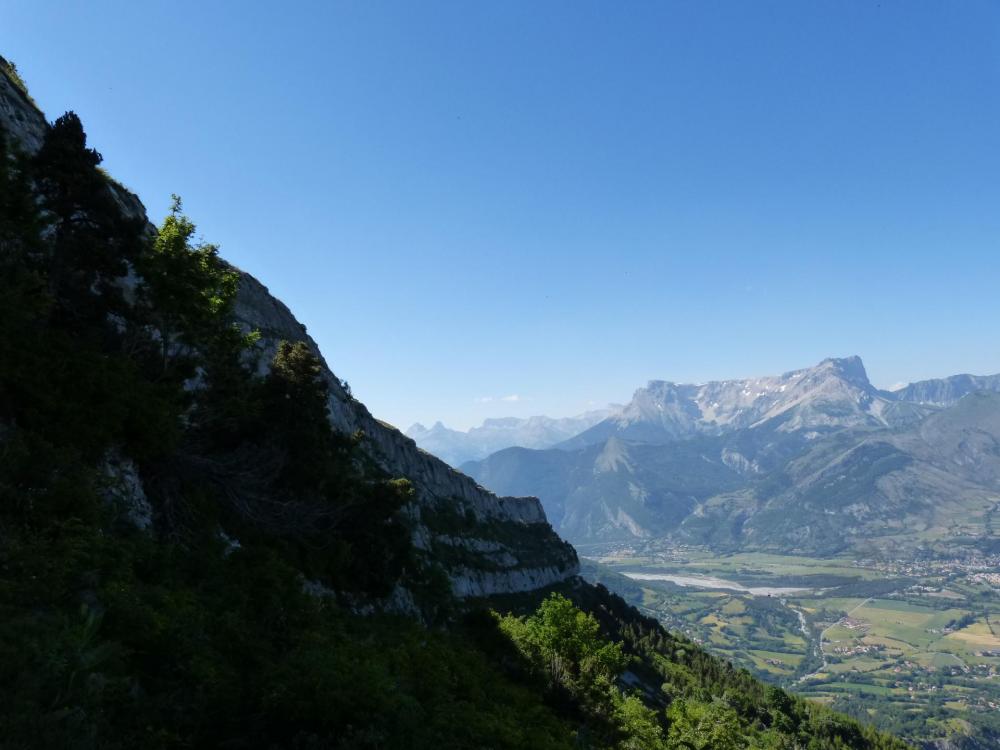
(913, 647)
(828, 536)
(614, 267)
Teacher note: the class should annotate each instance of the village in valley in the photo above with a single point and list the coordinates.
(905, 644)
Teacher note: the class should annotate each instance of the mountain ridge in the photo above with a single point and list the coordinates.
(480, 566)
(816, 459)
(833, 394)
(496, 433)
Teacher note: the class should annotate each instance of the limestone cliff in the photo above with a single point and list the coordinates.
(485, 543)
(505, 544)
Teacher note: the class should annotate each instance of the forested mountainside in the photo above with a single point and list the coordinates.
(205, 541)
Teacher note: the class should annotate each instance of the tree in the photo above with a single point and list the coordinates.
(92, 240)
(696, 725)
(189, 291)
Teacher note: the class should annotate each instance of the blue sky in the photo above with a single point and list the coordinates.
(561, 200)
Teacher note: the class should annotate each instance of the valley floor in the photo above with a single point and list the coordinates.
(913, 648)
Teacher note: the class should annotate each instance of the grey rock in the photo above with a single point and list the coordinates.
(123, 488)
(947, 391)
(435, 483)
(437, 486)
(19, 114)
(832, 395)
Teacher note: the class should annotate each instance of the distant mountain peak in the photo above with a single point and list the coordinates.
(497, 433)
(850, 368)
(947, 391)
(833, 394)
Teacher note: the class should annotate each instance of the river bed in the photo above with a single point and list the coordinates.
(708, 582)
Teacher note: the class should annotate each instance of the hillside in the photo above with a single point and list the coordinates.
(208, 542)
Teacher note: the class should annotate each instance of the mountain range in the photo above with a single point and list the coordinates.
(457, 446)
(209, 542)
(815, 461)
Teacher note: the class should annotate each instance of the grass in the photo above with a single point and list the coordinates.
(788, 658)
(857, 687)
(736, 627)
(977, 636)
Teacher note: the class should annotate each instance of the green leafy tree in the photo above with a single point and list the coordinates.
(189, 292)
(569, 643)
(637, 723)
(566, 645)
(697, 725)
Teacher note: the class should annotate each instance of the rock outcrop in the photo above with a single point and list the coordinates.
(506, 544)
(493, 555)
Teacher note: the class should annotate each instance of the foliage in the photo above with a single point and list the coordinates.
(199, 631)
(704, 692)
(8, 68)
(188, 291)
(653, 690)
(116, 341)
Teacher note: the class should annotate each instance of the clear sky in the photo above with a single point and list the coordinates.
(554, 202)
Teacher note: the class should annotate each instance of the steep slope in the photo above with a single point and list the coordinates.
(507, 546)
(615, 491)
(175, 498)
(456, 447)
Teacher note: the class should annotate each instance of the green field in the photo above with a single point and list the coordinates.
(911, 652)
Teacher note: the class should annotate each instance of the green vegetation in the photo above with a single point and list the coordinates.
(908, 647)
(111, 636)
(214, 603)
(640, 687)
(9, 69)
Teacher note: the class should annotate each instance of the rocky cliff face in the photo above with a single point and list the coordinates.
(486, 544)
(18, 113)
(506, 544)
